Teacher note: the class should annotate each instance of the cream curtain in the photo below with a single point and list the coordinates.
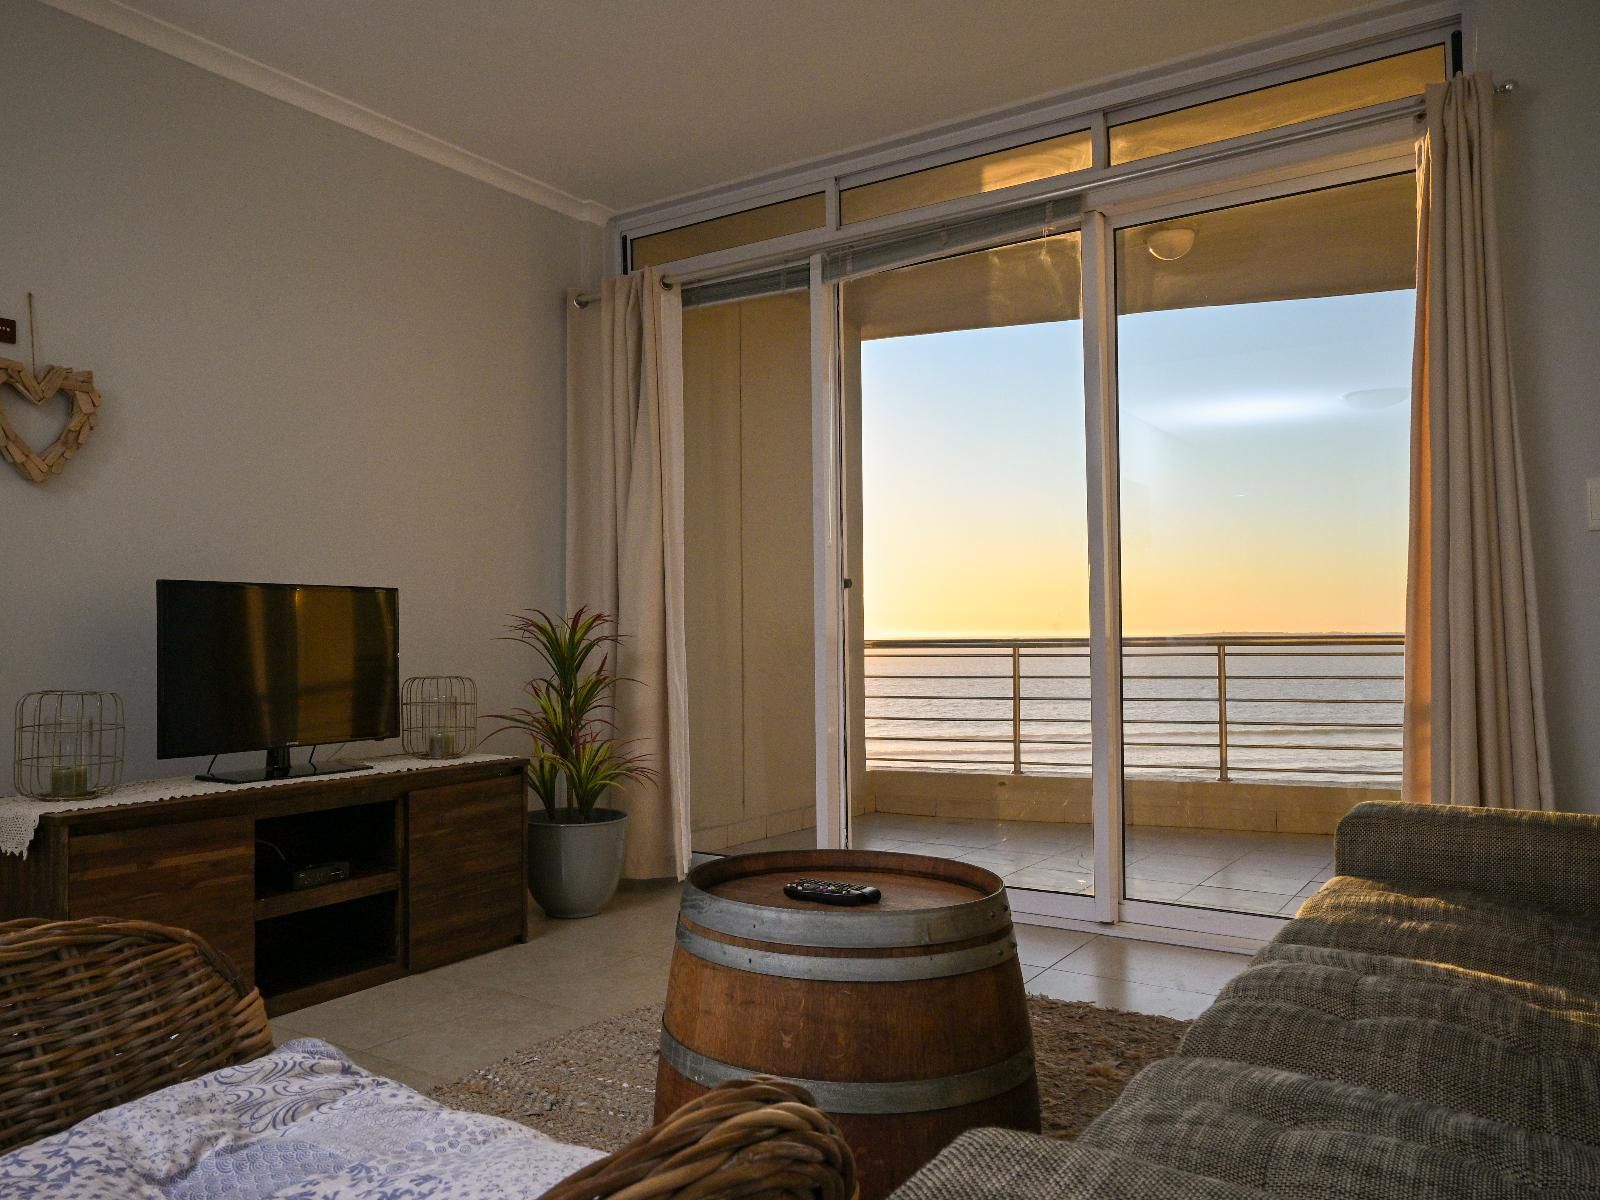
(1474, 698)
(625, 537)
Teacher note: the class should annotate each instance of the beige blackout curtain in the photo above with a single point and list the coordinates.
(625, 537)
(1474, 691)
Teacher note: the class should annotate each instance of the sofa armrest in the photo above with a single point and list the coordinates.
(1004, 1164)
(1547, 859)
(754, 1139)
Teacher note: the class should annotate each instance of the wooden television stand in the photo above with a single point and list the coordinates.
(438, 872)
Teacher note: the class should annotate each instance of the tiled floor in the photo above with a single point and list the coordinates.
(1244, 872)
(433, 1028)
(1115, 972)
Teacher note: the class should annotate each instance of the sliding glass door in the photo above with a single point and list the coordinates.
(962, 383)
(1263, 374)
(1046, 488)
(1230, 506)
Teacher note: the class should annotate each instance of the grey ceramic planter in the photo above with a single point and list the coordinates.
(573, 868)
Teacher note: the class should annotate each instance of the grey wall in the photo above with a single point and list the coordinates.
(323, 360)
(1548, 147)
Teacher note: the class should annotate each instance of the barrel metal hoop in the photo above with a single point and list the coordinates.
(854, 930)
(866, 1098)
(829, 969)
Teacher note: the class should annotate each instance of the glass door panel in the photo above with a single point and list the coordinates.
(964, 414)
(1263, 368)
(748, 574)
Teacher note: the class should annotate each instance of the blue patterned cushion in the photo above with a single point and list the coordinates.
(302, 1123)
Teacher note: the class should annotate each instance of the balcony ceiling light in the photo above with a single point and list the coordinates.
(1170, 243)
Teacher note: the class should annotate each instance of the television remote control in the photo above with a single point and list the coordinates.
(826, 891)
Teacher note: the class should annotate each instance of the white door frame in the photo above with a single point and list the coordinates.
(827, 562)
(1099, 311)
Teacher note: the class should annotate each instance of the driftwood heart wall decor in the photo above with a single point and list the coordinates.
(79, 386)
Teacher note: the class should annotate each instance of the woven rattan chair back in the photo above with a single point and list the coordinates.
(99, 1011)
(749, 1139)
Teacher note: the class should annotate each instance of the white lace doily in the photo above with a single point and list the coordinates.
(19, 817)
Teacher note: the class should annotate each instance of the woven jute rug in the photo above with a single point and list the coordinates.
(595, 1086)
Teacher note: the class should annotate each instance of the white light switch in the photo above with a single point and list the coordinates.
(1594, 502)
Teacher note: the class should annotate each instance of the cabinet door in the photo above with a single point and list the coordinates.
(197, 875)
(466, 882)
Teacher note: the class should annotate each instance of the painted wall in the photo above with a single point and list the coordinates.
(748, 586)
(323, 360)
(1548, 167)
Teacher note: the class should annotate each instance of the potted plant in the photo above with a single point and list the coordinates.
(574, 845)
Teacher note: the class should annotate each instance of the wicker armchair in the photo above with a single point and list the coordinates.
(749, 1139)
(99, 1011)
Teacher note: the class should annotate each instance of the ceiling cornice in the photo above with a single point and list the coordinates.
(219, 60)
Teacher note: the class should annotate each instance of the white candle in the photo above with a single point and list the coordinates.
(67, 782)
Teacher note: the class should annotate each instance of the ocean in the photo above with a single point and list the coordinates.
(1294, 709)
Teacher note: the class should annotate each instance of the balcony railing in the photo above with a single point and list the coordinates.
(1285, 708)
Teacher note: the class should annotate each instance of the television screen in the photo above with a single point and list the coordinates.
(256, 666)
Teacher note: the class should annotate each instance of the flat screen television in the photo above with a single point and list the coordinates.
(270, 666)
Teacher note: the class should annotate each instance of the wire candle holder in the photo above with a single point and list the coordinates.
(68, 745)
(438, 715)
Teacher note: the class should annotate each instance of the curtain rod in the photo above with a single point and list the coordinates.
(584, 299)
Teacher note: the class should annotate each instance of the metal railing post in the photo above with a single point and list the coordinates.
(1222, 711)
(1016, 709)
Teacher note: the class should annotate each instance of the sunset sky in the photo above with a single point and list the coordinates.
(1264, 473)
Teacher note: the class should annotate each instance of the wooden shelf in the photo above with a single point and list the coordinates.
(353, 978)
(283, 903)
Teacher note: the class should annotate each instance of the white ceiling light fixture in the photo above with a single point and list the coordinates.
(1170, 243)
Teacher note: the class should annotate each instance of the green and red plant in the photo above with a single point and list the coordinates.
(576, 756)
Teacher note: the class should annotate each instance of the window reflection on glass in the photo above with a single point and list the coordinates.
(970, 177)
(736, 229)
(1339, 91)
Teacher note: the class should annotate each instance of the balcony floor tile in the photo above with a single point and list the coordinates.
(1237, 899)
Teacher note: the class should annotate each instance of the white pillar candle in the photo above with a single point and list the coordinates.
(68, 782)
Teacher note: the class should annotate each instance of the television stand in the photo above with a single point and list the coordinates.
(437, 872)
(279, 766)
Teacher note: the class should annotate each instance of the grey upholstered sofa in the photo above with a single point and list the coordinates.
(1428, 1027)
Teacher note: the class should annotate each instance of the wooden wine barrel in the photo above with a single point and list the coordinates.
(906, 1019)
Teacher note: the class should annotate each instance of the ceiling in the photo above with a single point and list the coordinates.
(626, 102)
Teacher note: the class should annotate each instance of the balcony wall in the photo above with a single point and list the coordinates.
(1169, 803)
